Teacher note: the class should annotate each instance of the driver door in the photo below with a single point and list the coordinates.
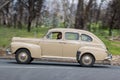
(51, 46)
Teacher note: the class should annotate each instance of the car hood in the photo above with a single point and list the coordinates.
(26, 40)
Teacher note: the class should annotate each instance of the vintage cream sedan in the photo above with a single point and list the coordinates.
(61, 44)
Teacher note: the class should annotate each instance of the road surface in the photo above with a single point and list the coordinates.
(43, 70)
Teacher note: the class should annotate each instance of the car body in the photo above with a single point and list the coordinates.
(72, 44)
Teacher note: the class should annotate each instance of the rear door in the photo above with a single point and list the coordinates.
(71, 44)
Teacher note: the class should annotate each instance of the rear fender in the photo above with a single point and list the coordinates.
(98, 53)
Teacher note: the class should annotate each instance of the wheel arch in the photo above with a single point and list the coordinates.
(34, 52)
(88, 53)
(22, 48)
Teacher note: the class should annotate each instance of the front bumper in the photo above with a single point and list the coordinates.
(8, 51)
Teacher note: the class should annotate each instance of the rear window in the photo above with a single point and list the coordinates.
(86, 38)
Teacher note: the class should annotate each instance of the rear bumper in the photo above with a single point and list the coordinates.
(109, 57)
(106, 61)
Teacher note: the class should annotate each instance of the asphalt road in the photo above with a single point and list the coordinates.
(39, 70)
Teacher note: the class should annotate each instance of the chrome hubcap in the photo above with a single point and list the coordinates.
(87, 60)
(23, 56)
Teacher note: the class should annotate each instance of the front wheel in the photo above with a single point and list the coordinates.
(87, 60)
(23, 56)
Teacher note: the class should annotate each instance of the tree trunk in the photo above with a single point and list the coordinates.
(112, 23)
(31, 14)
(79, 21)
(29, 24)
(20, 15)
(82, 14)
(34, 7)
(14, 20)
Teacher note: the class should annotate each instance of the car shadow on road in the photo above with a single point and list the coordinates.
(59, 64)
(68, 65)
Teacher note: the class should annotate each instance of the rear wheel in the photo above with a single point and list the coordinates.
(23, 56)
(87, 60)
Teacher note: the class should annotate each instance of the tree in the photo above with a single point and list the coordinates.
(82, 14)
(79, 19)
(4, 3)
(113, 15)
(20, 14)
(34, 7)
(99, 10)
(5, 12)
(56, 11)
(69, 11)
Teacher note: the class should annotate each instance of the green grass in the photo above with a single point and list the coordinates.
(113, 46)
(6, 35)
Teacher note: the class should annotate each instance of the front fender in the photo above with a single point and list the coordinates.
(98, 53)
(34, 49)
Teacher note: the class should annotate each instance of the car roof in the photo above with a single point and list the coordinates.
(70, 30)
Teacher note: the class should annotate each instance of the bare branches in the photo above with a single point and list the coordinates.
(4, 3)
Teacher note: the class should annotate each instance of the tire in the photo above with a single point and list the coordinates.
(23, 56)
(87, 60)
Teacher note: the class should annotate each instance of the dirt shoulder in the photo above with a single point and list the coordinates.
(2, 52)
(116, 60)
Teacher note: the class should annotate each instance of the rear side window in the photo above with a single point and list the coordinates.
(71, 36)
(86, 38)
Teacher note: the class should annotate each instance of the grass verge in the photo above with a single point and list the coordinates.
(6, 34)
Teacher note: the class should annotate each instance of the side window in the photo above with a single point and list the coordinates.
(54, 35)
(86, 38)
(71, 36)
